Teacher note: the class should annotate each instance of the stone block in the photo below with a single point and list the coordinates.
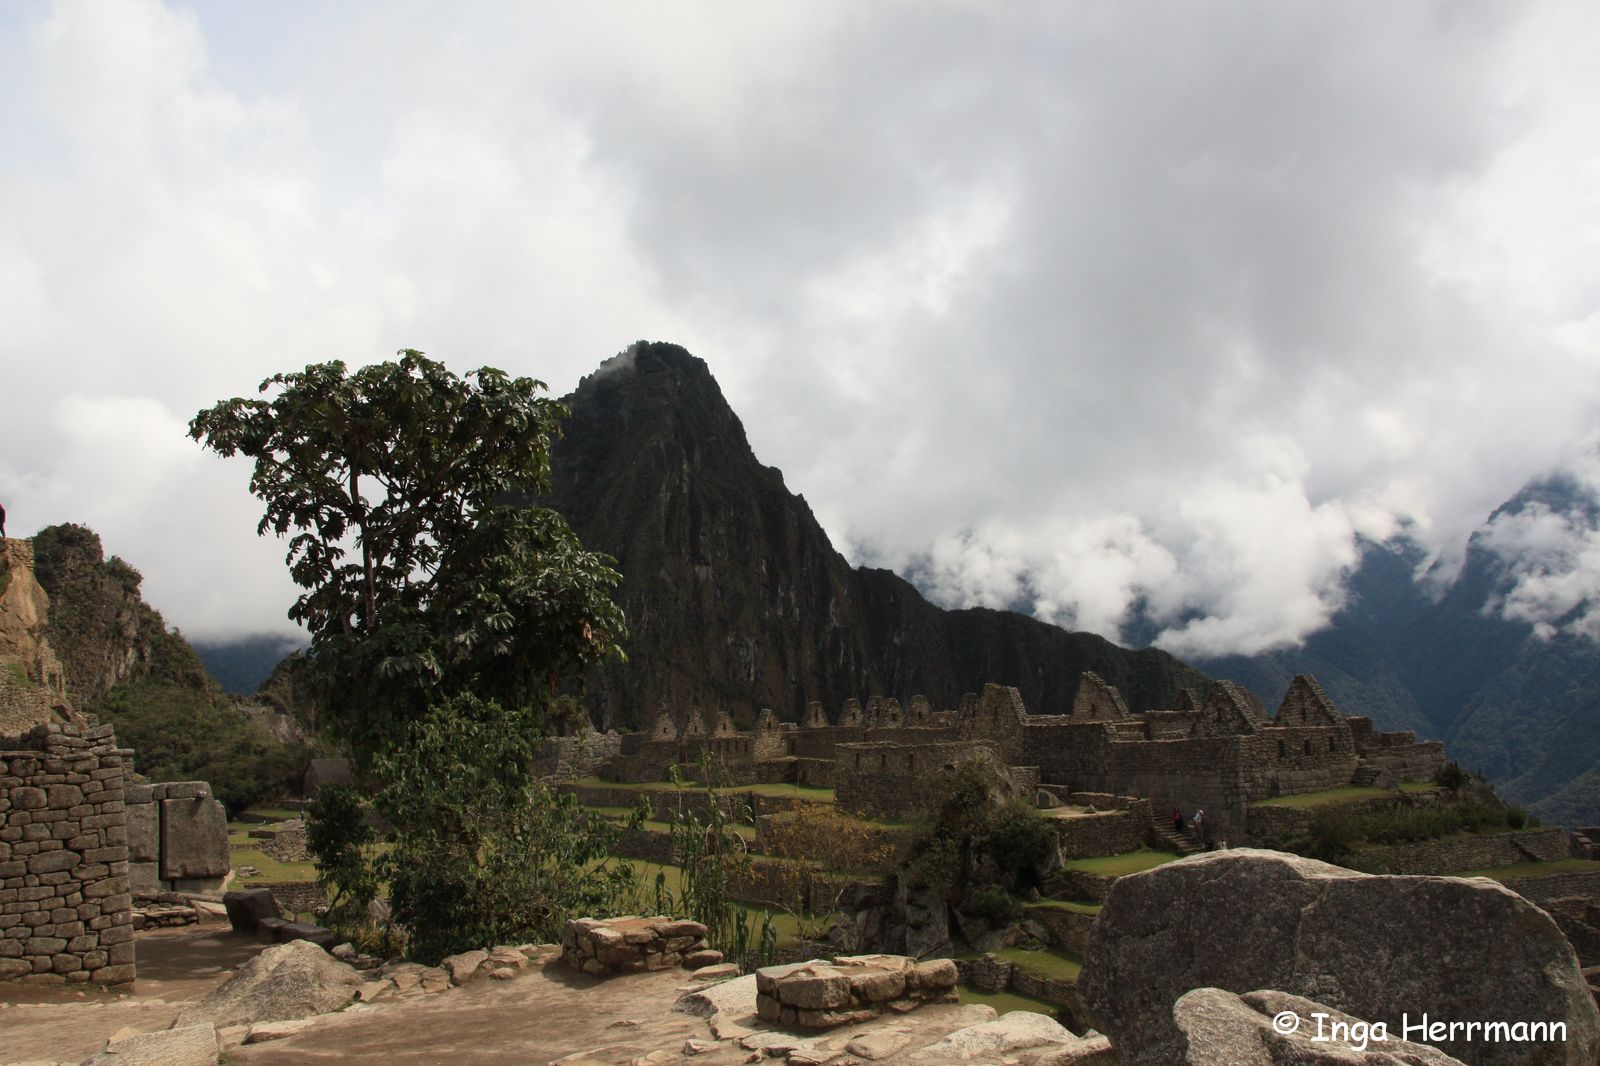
(144, 877)
(316, 934)
(194, 838)
(144, 832)
(246, 909)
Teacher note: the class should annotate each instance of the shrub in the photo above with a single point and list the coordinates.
(991, 903)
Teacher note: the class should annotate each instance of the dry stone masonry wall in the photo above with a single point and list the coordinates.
(635, 945)
(66, 913)
(851, 989)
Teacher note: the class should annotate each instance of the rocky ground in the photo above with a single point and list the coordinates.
(546, 1014)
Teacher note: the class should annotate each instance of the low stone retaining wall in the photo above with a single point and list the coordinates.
(1068, 930)
(296, 897)
(851, 989)
(1541, 890)
(635, 945)
(1469, 851)
(992, 974)
(1086, 836)
(1092, 887)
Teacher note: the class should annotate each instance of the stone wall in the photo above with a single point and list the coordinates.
(177, 837)
(584, 755)
(66, 913)
(1542, 890)
(1101, 833)
(295, 897)
(892, 781)
(1465, 851)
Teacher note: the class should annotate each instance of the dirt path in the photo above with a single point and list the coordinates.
(65, 1024)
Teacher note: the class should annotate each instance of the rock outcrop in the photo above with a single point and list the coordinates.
(32, 681)
(1218, 1026)
(293, 980)
(1383, 949)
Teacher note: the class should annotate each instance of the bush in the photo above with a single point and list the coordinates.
(991, 903)
(483, 853)
(971, 835)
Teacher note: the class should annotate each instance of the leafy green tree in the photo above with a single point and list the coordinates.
(444, 620)
(421, 579)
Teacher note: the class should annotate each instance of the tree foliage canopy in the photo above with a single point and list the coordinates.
(422, 580)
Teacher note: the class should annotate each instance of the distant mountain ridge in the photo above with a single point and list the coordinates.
(1520, 707)
(735, 598)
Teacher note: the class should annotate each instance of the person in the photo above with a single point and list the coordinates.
(1199, 823)
(2, 521)
(1177, 820)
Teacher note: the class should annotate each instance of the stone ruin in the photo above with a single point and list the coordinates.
(80, 836)
(633, 944)
(851, 989)
(1221, 751)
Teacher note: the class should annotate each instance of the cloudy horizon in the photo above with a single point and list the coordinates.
(1150, 307)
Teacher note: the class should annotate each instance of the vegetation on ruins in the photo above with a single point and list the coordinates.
(446, 624)
(818, 851)
(973, 842)
(1337, 832)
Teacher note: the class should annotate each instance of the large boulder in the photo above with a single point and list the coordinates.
(1218, 1026)
(288, 981)
(1384, 949)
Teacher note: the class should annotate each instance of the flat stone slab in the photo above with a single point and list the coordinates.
(191, 1045)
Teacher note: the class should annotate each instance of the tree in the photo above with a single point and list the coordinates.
(422, 580)
(445, 620)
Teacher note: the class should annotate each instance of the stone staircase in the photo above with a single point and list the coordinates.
(1171, 840)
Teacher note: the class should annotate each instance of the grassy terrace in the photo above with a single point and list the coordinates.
(1536, 869)
(805, 792)
(1048, 962)
(1066, 905)
(250, 853)
(1129, 862)
(1347, 794)
(1006, 1002)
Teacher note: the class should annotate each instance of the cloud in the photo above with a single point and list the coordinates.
(1549, 553)
(1144, 310)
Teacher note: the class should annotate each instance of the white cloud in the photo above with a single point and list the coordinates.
(1140, 308)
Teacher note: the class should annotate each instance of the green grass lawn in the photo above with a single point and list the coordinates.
(1050, 962)
(271, 869)
(1066, 905)
(1535, 869)
(1417, 786)
(1006, 1002)
(1129, 862)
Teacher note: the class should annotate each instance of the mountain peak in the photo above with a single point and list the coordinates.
(737, 601)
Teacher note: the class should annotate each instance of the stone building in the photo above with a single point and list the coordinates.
(1219, 752)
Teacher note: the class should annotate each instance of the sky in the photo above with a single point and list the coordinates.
(1088, 306)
